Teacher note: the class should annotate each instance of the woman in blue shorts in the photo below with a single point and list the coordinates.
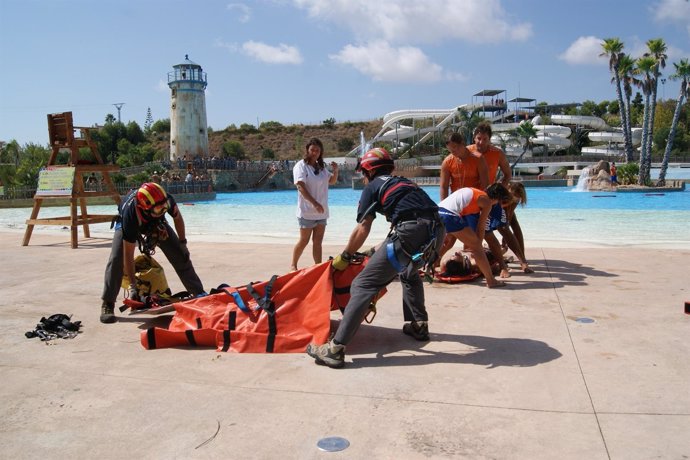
(465, 215)
(312, 180)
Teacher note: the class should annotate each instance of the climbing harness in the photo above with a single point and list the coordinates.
(58, 326)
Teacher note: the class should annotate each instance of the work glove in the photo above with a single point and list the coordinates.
(133, 294)
(341, 261)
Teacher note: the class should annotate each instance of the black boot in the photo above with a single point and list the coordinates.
(108, 312)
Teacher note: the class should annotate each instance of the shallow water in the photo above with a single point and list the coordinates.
(553, 217)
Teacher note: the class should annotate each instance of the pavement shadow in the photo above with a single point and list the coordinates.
(391, 345)
(550, 273)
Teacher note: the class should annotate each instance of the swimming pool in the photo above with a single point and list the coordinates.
(553, 217)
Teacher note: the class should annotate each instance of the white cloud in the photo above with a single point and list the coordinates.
(232, 47)
(673, 11)
(585, 50)
(429, 21)
(281, 54)
(243, 11)
(382, 62)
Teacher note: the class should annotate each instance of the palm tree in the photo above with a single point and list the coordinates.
(645, 67)
(468, 121)
(626, 67)
(613, 48)
(527, 132)
(683, 74)
(657, 51)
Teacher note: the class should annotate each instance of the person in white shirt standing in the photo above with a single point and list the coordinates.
(312, 180)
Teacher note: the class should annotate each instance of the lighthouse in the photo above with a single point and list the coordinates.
(188, 127)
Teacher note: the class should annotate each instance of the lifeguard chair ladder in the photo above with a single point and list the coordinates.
(61, 131)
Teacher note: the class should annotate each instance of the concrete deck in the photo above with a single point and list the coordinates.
(508, 373)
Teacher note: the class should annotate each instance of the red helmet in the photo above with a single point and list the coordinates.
(151, 197)
(375, 158)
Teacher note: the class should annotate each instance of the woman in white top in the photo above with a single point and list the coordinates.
(312, 180)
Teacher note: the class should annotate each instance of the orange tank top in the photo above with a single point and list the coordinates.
(492, 158)
(473, 207)
(463, 173)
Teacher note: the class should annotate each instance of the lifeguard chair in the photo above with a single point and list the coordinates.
(61, 132)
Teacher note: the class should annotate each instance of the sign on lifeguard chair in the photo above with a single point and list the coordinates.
(67, 180)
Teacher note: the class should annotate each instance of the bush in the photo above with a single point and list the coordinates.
(161, 126)
(329, 122)
(627, 173)
(345, 145)
(234, 149)
(271, 126)
(248, 128)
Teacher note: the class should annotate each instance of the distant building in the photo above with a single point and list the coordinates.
(188, 126)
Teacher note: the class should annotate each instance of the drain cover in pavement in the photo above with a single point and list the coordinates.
(584, 320)
(333, 444)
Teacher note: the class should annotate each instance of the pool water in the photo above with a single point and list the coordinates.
(557, 217)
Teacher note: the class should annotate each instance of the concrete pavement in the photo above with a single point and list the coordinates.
(508, 373)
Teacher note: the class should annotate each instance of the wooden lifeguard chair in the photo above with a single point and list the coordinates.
(61, 131)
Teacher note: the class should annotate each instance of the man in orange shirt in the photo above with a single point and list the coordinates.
(494, 157)
(495, 160)
(462, 168)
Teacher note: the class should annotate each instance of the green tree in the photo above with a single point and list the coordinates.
(10, 153)
(526, 132)
(468, 121)
(682, 73)
(589, 108)
(645, 68)
(134, 133)
(626, 70)
(657, 51)
(33, 157)
(329, 123)
(149, 120)
(233, 149)
(613, 49)
(161, 126)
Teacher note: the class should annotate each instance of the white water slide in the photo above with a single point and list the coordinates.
(554, 136)
(391, 130)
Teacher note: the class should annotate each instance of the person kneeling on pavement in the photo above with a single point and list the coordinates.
(141, 220)
(415, 238)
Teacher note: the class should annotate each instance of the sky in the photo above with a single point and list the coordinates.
(305, 61)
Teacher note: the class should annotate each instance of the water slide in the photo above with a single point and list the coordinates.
(389, 131)
(553, 137)
(581, 120)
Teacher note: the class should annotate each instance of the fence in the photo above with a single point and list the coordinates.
(199, 186)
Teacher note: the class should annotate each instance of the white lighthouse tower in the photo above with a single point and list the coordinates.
(188, 127)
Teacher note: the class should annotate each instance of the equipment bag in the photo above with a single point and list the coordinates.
(149, 275)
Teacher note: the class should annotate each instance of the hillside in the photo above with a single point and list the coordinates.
(286, 142)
